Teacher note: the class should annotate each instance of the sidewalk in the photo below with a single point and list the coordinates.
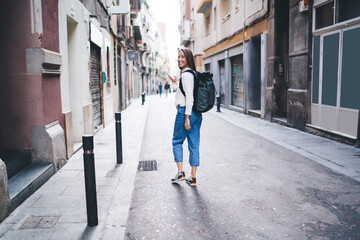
(337, 156)
(58, 209)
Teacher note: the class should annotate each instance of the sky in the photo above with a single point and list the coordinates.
(168, 11)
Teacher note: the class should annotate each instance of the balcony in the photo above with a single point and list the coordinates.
(124, 31)
(135, 7)
(203, 6)
(137, 27)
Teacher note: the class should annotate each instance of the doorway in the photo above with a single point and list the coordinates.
(222, 81)
(95, 84)
(237, 81)
(119, 67)
(254, 90)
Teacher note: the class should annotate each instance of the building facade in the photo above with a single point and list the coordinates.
(229, 39)
(335, 99)
(291, 62)
(67, 67)
(32, 134)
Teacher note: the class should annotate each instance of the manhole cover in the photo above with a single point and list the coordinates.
(150, 165)
(33, 222)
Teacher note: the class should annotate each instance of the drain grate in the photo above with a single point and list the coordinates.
(40, 222)
(150, 165)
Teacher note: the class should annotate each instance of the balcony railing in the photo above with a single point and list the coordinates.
(135, 7)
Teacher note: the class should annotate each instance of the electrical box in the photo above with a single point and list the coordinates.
(122, 8)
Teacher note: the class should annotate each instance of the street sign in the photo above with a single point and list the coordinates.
(132, 55)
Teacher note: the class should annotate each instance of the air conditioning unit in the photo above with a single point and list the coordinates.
(122, 8)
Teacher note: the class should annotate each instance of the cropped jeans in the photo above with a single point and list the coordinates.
(193, 136)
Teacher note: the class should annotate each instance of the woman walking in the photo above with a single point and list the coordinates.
(187, 122)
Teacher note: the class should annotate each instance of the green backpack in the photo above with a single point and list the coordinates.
(204, 91)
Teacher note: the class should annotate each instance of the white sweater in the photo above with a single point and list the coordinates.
(187, 80)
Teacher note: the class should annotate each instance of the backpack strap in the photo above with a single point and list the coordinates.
(180, 84)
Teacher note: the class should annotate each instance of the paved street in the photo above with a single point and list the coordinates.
(248, 188)
(256, 180)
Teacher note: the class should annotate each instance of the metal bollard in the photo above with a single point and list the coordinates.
(119, 158)
(90, 182)
(142, 98)
(218, 103)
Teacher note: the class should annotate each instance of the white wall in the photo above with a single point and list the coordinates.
(75, 51)
(75, 69)
(247, 10)
(107, 91)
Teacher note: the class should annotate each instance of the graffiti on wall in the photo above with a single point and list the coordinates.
(238, 85)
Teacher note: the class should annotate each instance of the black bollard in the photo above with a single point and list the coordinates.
(119, 158)
(90, 182)
(218, 103)
(142, 98)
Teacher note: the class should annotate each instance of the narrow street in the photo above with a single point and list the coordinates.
(248, 188)
(86, 120)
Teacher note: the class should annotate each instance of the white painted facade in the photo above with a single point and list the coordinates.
(74, 26)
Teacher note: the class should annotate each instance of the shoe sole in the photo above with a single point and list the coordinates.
(191, 184)
(179, 180)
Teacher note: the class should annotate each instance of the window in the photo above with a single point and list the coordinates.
(347, 9)
(207, 67)
(207, 24)
(225, 5)
(237, 5)
(336, 11)
(324, 15)
(192, 15)
(183, 25)
(215, 19)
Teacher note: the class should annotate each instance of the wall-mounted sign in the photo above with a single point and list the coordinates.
(132, 55)
(122, 8)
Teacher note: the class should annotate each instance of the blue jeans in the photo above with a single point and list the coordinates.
(193, 136)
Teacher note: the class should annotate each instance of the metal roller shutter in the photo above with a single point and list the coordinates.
(95, 83)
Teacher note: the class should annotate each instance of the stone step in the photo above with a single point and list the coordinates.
(15, 161)
(255, 113)
(27, 181)
(280, 120)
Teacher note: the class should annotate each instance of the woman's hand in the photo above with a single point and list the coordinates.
(187, 123)
(173, 79)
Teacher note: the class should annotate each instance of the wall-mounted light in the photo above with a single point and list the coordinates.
(303, 5)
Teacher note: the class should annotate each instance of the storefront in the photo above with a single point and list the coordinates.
(237, 81)
(335, 82)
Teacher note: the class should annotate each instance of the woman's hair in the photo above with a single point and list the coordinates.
(189, 58)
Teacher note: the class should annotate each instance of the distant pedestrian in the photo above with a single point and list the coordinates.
(167, 87)
(160, 88)
(187, 122)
